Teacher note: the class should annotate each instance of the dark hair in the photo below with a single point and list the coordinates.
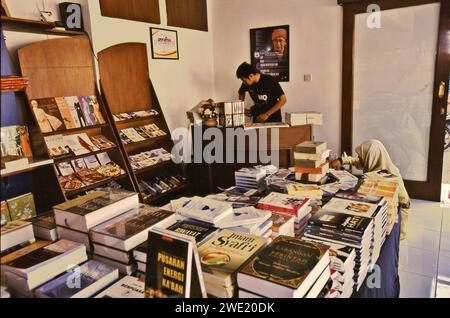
(245, 70)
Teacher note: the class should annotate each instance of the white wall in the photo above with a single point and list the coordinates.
(179, 84)
(315, 48)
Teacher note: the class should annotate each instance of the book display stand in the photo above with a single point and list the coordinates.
(127, 89)
(61, 68)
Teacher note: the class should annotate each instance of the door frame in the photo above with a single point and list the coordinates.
(430, 189)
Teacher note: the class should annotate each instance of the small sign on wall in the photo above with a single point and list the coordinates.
(71, 16)
(164, 44)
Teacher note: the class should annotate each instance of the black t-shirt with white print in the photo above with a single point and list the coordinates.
(265, 94)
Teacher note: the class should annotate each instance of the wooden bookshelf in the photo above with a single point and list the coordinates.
(34, 26)
(60, 68)
(37, 164)
(126, 87)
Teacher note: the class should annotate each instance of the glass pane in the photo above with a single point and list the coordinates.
(393, 84)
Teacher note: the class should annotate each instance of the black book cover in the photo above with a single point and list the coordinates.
(200, 231)
(34, 258)
(166, 272)
(341, 222)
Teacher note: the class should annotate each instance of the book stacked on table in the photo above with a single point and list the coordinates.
(16, 233)
(44, 226)
(283, 224)
(311, 161)
(345, 179)
(342, 266)
(300, 226)
(201, 209)
(250, 178)
(388, 188)
(311, 191)
(32, 266)
(114, 240)
(139, 134)
(370, 206)
(127, 287)
(350, 230)
(76, 217)
(287, 268)
(222, 256)
(304, 118)
(238, 197)
(248, 220)
(91, 278)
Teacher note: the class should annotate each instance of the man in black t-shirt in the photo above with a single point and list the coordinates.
(265, 91)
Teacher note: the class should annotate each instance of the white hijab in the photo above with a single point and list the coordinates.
(374, 157)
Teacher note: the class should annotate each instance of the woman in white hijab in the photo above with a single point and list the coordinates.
(373, 156)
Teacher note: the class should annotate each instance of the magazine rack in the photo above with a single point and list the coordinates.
(62, 68)
(126, 86)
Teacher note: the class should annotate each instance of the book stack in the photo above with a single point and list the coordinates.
(14, 83)
(301, 225)
(32, 266)
(304, 118)
(248, 220)
(388, 189)
(291, 205)
(201, 209)
(311, 161)
(16, 233)
(114, 240)
(342, 266)
(91, 278)
(76, 217)
(250, 178)
(231, 114)
(44, 226)
(149, 158)
(139, 134)
(345, 179)
(238, 197)
(128, 287)
(350, 230)
(287, 268)
(283, 224)
(311, 191)
(135, 115)
(222, 256)
(370, 206)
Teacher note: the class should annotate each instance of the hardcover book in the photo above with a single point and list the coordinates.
(351, 207)
(6, 218)
(22, 207)
(47, 115)
(288, 267)
(198, 230)
(45, 220)
(223, 255)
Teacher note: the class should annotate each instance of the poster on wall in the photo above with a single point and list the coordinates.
(164, 44)
(270, 51)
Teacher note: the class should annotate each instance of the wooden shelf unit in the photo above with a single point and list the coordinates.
(35, 26)
(126, 87)
(60, 68)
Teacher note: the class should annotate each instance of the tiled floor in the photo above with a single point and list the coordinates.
(425, 254)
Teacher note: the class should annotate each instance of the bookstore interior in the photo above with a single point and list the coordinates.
(135, 165)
